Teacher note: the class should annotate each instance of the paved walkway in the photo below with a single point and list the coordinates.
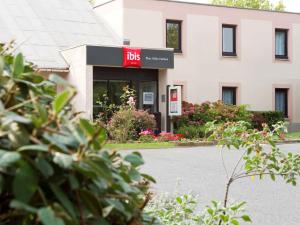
(200, 170)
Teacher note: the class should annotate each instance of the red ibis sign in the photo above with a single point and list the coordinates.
(131, 57)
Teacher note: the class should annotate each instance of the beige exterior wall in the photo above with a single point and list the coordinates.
(202, 69)
(136, 20)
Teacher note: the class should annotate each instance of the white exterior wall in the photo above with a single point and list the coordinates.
(80, 76)
(112, 13)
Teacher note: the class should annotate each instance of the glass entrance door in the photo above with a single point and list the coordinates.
(148, 96)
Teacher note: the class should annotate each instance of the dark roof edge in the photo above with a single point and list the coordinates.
(54, 69)
(224, 6)
(102, 4)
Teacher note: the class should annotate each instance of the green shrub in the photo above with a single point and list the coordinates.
(174, 209)
(183, 209)
(269, 117)
(126, 124)
(147, 138)
(192, 132)
(143, 121)
(52, 168)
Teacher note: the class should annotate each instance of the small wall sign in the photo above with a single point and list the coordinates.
(175, 101)
(131, 57)
(148, 98)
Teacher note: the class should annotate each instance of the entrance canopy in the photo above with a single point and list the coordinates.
(135, 57)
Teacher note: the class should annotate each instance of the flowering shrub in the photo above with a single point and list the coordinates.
(147, 136)
(165, 137)
(192, 132)
(146, 132)
(128, 98)
(195, 115)
(131, 102)
(127, 124)
(142, 121)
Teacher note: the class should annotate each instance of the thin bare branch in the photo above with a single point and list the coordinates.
(223, 163)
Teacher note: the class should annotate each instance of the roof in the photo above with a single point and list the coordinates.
(42, 28)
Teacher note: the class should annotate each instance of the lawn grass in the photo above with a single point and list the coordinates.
(293, 135)
(129, 146)
(162, 145)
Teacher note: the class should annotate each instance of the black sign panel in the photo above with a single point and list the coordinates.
(152, 58)
(104, 56)
(113, 56)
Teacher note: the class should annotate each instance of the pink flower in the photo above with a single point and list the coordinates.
(131, 101)
(165, 136)
(146, 132)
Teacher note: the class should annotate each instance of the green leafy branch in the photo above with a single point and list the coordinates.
(261, 156)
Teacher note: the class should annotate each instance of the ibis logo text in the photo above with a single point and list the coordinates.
(131, 57)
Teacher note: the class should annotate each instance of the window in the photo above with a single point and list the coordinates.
(281, 101)
(281, 44)
(229, 40)
(229, 95)
(107, 91)
(174, 35)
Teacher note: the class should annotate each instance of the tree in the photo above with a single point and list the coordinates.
(253, 4)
